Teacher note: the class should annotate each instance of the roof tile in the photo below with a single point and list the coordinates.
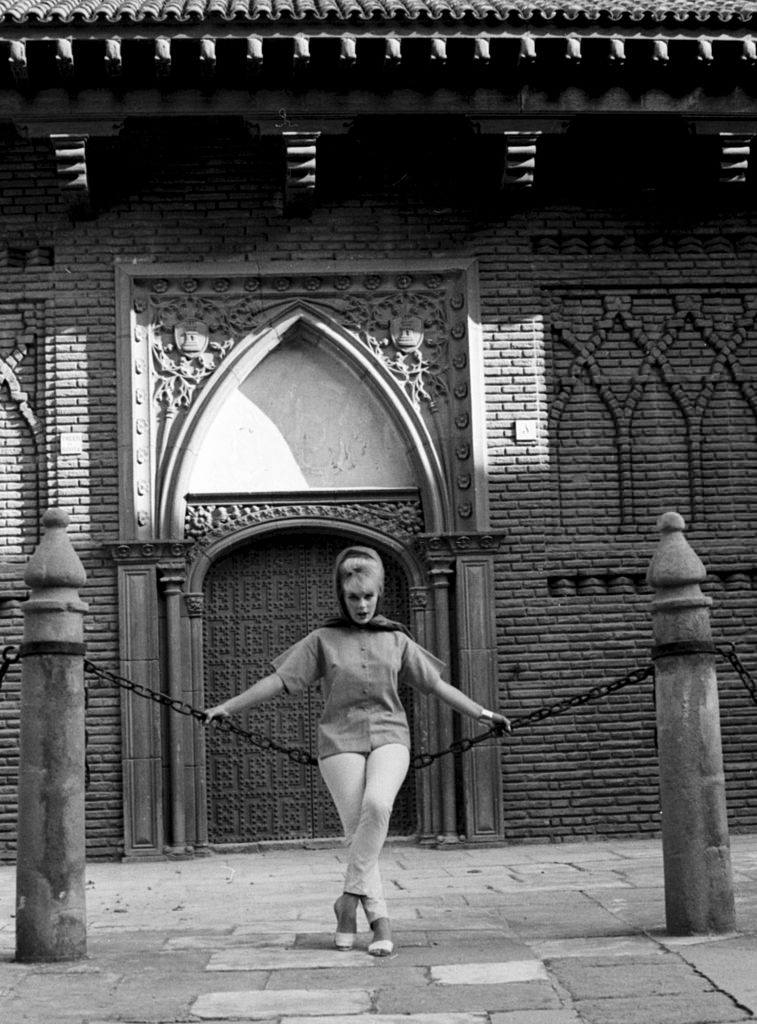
(63, 11)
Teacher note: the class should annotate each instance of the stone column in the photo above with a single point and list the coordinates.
(440, 577)
(197, 823)
(50, 880)
(172, 583)
(696, 855)
(476, 632)
(429, 822)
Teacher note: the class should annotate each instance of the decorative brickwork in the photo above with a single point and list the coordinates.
(630, 244)
(642, 382)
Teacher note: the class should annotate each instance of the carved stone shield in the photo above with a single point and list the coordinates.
(192, 337)
(406, 333)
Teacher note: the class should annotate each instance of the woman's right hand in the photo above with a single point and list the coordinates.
(211, 714)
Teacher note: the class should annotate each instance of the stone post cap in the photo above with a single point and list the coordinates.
(54, 563)
(674, 563)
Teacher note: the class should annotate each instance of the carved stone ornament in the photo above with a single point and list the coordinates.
(451, 544)
(192, 323)
(408, 332)
(186, 322)
(206, 523)
(190, 334)
(192, 338)
(156, 551)
(195, 603)
(183, 362)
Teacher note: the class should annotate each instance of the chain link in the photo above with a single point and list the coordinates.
(9, 657)
(728, 651)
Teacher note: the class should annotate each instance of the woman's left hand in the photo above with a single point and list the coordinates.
(501, 724)
(498, 723)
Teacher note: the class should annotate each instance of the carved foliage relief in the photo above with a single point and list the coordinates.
(207, 522)
(414, 325)
(653, 405)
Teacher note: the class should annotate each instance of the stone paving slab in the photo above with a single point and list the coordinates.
(679, 942)
(457, 946)
(443, 917)
(535, 1017)
(712, 1008)
(488, 973)
(540, 916)
(263, 1005)
(596, 981)
(218, 940)
(246, 958)
(604, 948)
(731, 966)
(377, 973)
(395, 1018)
(534, 995)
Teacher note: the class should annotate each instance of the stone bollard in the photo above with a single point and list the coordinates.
(50, 879)
(696, 855)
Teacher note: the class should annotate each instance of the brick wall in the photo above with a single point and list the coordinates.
(575, 297)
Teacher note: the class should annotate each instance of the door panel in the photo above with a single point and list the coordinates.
(259, 601)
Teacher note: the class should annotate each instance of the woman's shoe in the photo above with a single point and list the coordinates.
(344, 940)
(382, 945)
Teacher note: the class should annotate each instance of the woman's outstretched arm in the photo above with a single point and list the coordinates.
(457, 700)
(260, 692)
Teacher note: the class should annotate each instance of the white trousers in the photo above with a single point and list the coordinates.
(364, 788)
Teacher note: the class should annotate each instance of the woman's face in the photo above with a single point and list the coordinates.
(361, 597)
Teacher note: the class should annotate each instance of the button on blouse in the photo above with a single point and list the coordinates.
(360, 671)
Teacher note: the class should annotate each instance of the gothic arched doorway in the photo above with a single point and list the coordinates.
(258, 600)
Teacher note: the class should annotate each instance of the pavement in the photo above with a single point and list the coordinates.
(537, 934)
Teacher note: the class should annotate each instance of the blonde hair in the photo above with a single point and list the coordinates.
(361, 568)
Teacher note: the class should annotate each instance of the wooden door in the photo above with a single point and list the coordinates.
(258, 601)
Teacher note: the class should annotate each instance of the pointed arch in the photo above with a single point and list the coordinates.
(174, 471)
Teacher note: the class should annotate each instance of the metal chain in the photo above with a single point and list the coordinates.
(9, 657)
(728, 651)
(422, 760)
(296, 754)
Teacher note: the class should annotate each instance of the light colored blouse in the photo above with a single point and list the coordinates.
(359, 671)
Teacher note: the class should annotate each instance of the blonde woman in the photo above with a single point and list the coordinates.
(360, 659)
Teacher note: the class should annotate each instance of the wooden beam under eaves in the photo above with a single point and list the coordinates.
(735, 155)
(113, 61)
(408, 50)
(64, 58)
(162, 58)
(254, 57)
(70, 152)
(520, 160)
(18, 62)
(207, 57)
(300, 173)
